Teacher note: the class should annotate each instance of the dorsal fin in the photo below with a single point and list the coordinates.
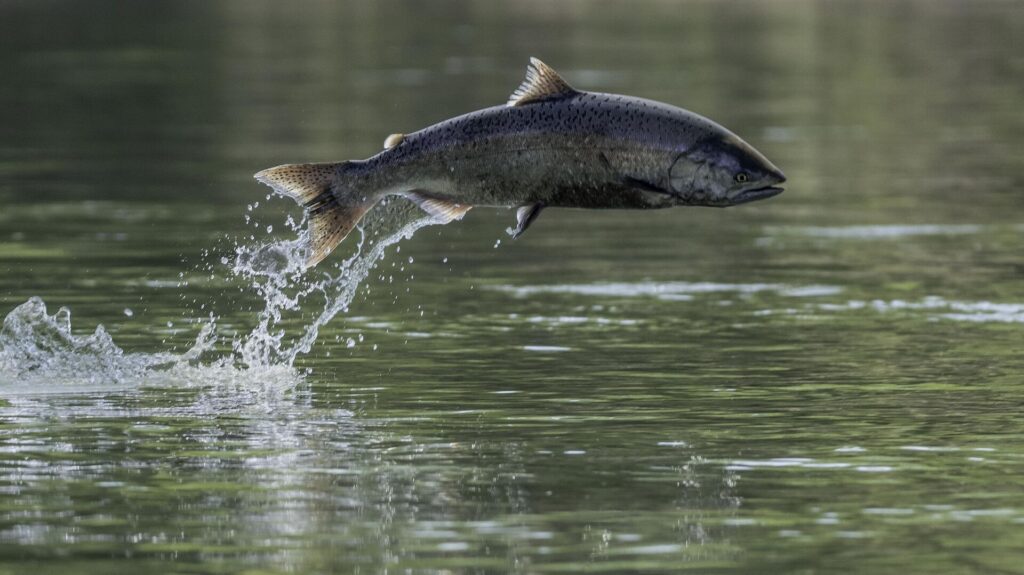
(541, 83)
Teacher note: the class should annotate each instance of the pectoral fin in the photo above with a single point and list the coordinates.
(525, 216)
(654, 195)
(643, 185)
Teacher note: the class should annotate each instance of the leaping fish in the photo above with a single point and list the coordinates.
(549, 146)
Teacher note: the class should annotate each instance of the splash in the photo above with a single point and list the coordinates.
(36, 346)
(275, 271)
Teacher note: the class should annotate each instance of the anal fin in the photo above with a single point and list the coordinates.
(525, 216)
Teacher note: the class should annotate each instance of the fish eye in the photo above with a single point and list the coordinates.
(742, 177)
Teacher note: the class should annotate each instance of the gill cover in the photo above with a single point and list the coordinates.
(689, 178)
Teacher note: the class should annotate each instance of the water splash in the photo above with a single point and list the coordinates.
(275, 271)
(36, 346)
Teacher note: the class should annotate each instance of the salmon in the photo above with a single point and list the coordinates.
(549, 146)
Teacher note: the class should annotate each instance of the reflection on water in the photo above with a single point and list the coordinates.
(830, 378)
(325, 478)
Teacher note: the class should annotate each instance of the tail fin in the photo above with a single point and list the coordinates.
(333, 211)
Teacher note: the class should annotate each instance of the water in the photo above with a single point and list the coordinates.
(826, 381)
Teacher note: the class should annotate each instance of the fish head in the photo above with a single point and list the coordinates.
(723, 170)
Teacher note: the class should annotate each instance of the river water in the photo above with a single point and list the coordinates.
(827, 381)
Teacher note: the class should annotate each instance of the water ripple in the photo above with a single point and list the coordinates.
(671, 291)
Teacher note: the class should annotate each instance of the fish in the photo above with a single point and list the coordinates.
(549, 146)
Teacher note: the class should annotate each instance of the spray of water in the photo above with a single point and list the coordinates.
(276, 272)
(37, 346)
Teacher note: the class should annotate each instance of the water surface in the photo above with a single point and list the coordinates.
(826, 381)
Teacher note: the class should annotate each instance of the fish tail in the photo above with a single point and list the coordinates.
(332, 208)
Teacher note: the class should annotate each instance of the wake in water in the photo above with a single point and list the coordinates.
(39, 347)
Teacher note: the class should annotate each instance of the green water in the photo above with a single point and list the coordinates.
(828, 381)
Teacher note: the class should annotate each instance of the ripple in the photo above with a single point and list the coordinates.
(576, 320)
(853, 534)
(880, 232)
(888, 511)
(654, 549)
(955, 310)
(453, 546)
(669, 291)
(546, 348)
(803, 462)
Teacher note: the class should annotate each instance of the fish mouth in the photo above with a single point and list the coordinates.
(747, 196)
